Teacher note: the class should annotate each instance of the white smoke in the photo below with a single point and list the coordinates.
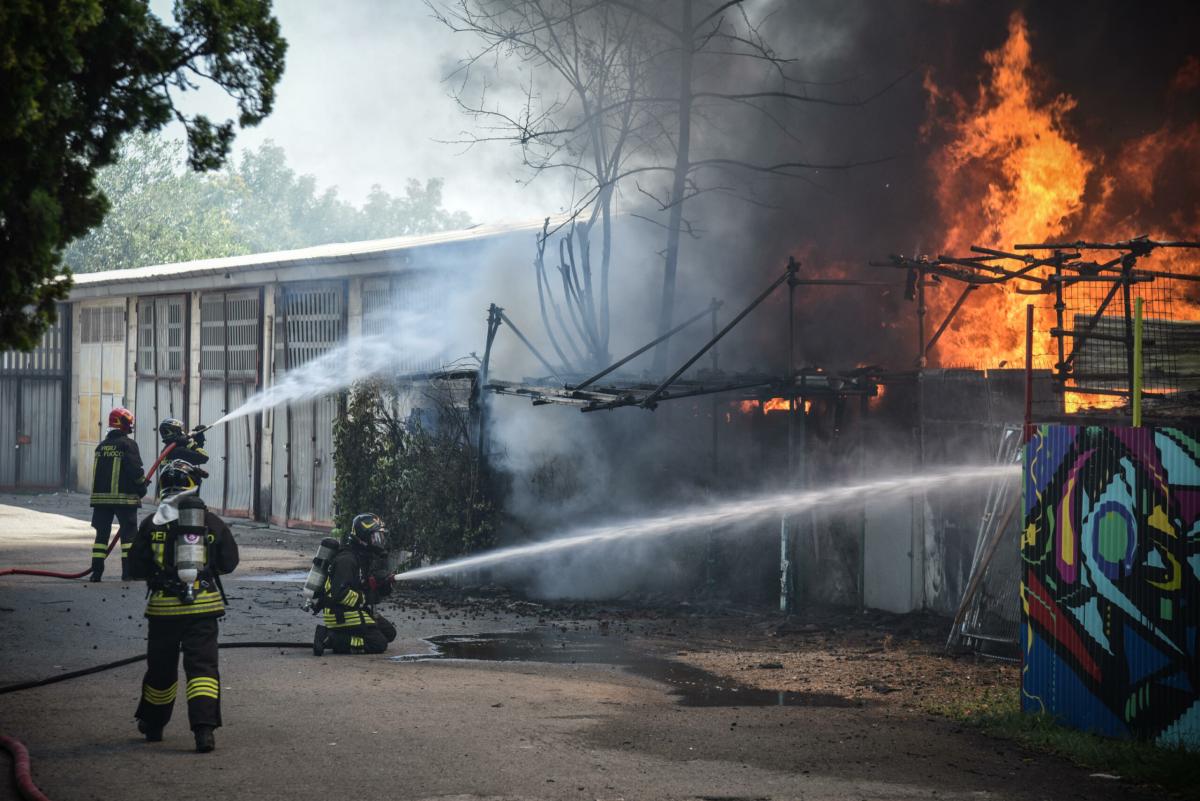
(413, 338)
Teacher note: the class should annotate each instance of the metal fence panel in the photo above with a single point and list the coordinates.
(384, 298)
(1111, 585)
(39, 458)
(161, 368)
(8, 433)
(229, 368)
(301, 459)
(241, 455)
(323, 476)
(212, 406)
(32, 387)
(279, 467)
(312, 322)
(145, 413)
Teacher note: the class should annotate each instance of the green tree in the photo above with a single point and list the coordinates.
(161, 213)
(76, 77)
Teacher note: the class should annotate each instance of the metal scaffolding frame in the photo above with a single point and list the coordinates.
(1049, 275)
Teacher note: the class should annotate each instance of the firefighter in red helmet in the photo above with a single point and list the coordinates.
(118, 486)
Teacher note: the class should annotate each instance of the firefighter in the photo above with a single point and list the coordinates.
(182, 561)
(188, 446)
(356, 581)
(117, 489)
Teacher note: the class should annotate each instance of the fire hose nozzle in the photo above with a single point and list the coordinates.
(200, 429)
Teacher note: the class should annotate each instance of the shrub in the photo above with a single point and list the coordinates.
(408, 455)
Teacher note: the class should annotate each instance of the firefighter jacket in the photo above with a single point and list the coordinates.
(348, 596)
(187, 449)
(117, 473)
(152, 558)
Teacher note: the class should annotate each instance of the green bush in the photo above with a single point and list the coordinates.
(420, 473)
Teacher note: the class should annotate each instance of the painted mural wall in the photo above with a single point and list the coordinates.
(1111, 581)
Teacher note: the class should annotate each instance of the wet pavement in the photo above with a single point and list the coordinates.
(689, 685)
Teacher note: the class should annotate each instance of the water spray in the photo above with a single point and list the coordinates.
(410, 338)
(724, 514)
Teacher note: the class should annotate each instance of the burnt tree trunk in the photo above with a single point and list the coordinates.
(679, 187)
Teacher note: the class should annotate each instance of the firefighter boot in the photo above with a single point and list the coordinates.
(320, 640)
(153, 735)
(205, 741)
(125, 575)
(97, 569)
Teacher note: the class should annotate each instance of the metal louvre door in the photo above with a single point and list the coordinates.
(312, 322)
(229, 374)
(161, 368)
(385, 297)
(34, 419)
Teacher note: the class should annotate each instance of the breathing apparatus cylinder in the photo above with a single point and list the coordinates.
(189, 545)
(315, 583)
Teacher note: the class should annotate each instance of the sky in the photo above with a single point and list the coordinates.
(363, 100)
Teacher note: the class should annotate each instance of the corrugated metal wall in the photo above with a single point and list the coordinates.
(229, 373)
(161, 390)
(310, 320)
(101, 379)
(1111, 585)
(386, 296)
(34, 421)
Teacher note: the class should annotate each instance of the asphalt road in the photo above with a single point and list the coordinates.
(302, 727)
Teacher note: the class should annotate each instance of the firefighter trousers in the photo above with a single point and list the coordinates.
(363, 639)
(197, 639)
(102, 517)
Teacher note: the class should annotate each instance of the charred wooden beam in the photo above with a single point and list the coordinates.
(712, 308)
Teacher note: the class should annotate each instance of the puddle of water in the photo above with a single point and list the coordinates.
(691, 685)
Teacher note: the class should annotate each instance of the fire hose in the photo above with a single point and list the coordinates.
(23, 571)
(22, 772)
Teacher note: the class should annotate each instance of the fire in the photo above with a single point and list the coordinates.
(877, 398)
(1009, 174)
(1012, 170)
(771, 405)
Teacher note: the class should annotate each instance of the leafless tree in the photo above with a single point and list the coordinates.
(613, 92)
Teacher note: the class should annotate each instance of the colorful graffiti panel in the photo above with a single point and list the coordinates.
(1111, 582)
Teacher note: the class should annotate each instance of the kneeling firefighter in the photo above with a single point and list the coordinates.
(352, 587)
(181, 551)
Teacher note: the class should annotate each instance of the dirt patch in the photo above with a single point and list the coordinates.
(897, 661)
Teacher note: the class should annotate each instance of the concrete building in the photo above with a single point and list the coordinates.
(194, 340)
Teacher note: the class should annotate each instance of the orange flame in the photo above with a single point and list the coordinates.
(1012, 171)
(1009, 174)
(771, 405)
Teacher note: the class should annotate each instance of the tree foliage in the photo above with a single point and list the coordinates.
(420, 473)
(76, 77)
(161, 213)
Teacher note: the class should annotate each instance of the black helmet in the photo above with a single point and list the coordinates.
(367, 532)
(170, 429)
(178, 475)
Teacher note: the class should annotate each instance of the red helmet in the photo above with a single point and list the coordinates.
(121, 418)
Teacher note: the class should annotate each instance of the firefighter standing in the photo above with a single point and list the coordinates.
(188, 446)
(352, 588)
(117, 489)
(181, 562)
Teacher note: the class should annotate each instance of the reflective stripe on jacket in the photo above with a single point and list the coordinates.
(346, 598)
(152, 557)
(117, 472)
